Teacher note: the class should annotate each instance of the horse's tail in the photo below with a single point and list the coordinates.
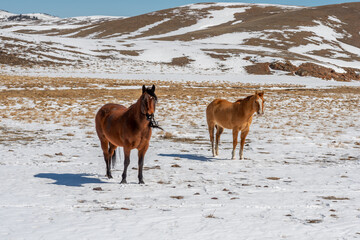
(113, 159)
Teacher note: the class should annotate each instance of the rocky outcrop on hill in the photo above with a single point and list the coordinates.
(314, 70)
(21, 17)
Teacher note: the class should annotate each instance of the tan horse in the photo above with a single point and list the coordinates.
(130, 128)
(237, 116)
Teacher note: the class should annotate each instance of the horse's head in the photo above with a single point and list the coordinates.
(148, 101)
(259, 102)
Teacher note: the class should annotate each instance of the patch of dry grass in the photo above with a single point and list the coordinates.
(74, 102)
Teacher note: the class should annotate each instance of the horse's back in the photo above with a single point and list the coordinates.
(216, 106)
(110, 109)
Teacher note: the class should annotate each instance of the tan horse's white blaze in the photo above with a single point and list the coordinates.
(261, 106)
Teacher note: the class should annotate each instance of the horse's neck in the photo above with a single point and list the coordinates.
(135, 112)
(246, 108)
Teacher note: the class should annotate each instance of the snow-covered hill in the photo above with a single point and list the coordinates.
(198, 38)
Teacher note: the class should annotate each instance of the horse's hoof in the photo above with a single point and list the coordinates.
(141, 182)
(109, 176)
(123, 181)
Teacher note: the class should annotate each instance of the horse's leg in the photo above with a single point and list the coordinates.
(107, 156)
(126, 163)
(112, 154)
(219, 131)
(211, 132)
(242, 143)
(235, 140)
(141, 155)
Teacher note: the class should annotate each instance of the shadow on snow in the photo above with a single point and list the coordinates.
(69, 179)
(196, 157)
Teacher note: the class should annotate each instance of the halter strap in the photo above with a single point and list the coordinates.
(152, 122)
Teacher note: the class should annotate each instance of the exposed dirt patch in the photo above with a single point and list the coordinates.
(180, 61)
(222, 57)
(258, 69)
(14, 59)
(130, 52)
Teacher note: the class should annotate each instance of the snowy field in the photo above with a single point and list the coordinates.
(299, 180)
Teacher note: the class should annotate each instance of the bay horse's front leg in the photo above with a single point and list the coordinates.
(235, 141)
(141, 155)
(242, 143)
(126, 163)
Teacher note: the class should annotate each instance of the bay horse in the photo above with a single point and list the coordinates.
(130, 128)
(237, 116)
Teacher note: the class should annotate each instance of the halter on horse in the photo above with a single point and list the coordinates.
(130, 128)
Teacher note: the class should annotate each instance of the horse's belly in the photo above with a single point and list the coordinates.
(115, 140)
(224, 123)
(132, 143)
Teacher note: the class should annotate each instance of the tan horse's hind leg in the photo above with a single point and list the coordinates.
(242, 143)
(235, 140)
(219, 131)
(211, 133)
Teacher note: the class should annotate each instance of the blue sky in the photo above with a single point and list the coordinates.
(71, 8)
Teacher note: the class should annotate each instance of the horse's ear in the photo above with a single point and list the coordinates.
(153, 88)
(143, 88)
